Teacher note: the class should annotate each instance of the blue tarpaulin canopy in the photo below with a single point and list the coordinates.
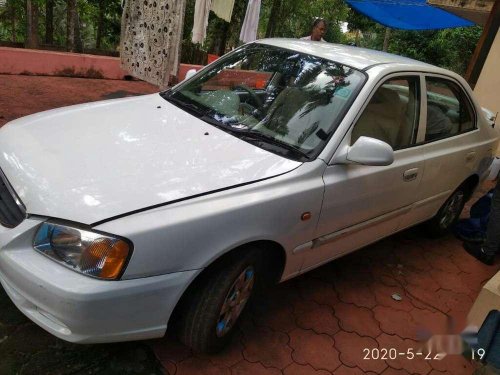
(407, 14)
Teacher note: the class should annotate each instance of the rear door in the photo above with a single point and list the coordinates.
(453, 147)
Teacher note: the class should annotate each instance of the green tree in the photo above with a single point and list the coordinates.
(274, 15)
(88, 24)
(453, 48)
(295, 18)
(359, 24)
(49, 22)
(100, 23)
(448, 48)
(12, 19)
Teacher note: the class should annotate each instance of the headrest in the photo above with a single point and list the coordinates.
(385, 95)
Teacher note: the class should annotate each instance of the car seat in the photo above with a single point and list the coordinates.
(382, 119)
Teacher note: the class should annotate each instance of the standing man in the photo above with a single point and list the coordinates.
(486, 252)
(318, 30)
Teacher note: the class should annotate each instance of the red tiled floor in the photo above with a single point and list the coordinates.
(317, 290)
(314, 349)
(394, 322)
(384, 297)
(391, 371)
(229, 357)
(296, 369)
(355, 319)
(278, 318)
(352, 349)
(201, 366)
(318, 323)
(454, 364)
(356, 292)
(408, 361)
(244, 368)
(267, 347)
(319, 318)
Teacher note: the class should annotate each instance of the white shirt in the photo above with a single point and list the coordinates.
(309, 38)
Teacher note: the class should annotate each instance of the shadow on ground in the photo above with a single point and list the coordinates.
(27, 349)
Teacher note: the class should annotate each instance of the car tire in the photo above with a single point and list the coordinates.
(218, 301)
(448, 214)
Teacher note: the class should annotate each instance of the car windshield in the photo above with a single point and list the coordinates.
(285, 102)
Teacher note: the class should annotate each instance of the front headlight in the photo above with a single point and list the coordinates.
(93, 254)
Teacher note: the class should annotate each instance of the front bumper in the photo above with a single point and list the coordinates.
(78, 308)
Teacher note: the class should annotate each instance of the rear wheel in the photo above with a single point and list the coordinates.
(214, 308)
(448, 214)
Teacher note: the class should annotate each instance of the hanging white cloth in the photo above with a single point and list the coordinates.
(223, 9)
(200, 24)
(251, 23)
(151, 33)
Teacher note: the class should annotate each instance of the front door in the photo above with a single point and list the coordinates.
(365, 203)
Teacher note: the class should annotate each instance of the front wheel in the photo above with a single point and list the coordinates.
(448, 214)
(214, 309)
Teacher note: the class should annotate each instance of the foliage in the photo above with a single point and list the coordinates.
(13, 9)
(296, 18)
(458, 46)
(356, 21)
(450, 48)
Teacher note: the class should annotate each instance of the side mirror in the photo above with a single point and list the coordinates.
(370, 151)
(189, 74)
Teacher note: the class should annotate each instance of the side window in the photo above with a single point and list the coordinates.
(448, 110)
(392, 113)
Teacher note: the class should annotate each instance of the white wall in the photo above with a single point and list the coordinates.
(487, 89)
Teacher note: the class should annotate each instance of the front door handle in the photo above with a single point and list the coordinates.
(410, 174)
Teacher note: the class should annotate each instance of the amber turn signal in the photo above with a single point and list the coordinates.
(305, 216)
(105, 258)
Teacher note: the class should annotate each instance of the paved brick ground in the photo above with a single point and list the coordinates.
(321, 322)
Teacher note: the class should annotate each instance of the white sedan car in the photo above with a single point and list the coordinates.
(124, 216)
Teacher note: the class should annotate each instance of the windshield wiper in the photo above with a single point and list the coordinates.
(195, 110)
(213, 121)
(255, 135)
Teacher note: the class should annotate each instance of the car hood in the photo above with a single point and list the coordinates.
(91, 162)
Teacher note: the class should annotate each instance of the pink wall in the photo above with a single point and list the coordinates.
(38, 62)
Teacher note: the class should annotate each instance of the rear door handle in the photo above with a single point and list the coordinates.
(410, 174)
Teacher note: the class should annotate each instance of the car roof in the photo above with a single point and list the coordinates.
(359, 58)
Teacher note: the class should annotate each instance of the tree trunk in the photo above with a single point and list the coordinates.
(78, 35)
(223, 41)
(218, 43)
(100, 23)
(386, 39)
(70, 25)
(49, 22)
(31, 25)
(239, 11)
(13, 20)
(273, 19)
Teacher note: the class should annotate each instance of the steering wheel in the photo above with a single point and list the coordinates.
(255, 99)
